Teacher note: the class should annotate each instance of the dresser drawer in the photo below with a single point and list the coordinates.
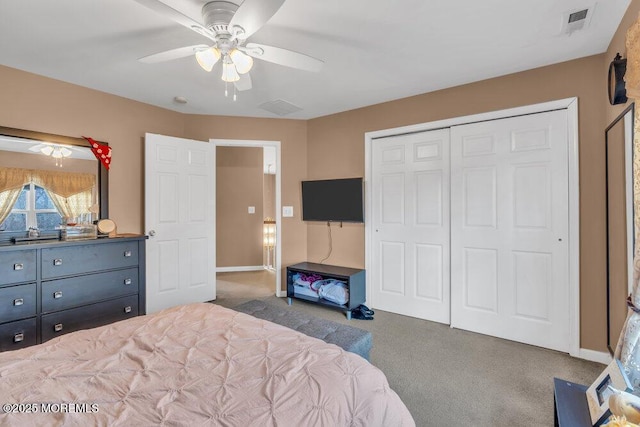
(70, 260)
(17, 302)
(74, 291)
(18, 334)
(17, 266)
(89, 316)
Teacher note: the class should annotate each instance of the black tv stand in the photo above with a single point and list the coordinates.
(353, 277)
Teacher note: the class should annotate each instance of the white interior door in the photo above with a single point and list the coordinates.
(410, 242)
(509, 229)
(180, 221)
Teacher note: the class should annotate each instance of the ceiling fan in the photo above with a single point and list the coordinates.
(57, 151)
(229, 26)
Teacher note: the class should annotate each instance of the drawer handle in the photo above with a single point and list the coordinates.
(18, 266)
(57, 327)
(57, 294)
(18, 301)
(127, 253)
(127, 281)
(127, 309)
(57, 261)
(19, 337)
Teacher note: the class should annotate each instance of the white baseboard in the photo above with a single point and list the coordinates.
(595, 356)
(239, 268)
(281, 294)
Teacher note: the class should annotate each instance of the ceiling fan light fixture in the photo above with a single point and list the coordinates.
(47, 150)
(207, 58)
(58, 152)
(242, 61)
(229, 72)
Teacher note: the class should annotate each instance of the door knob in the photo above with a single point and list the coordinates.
(152, 233)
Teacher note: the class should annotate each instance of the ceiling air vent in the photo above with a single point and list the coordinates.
(578, 16)
(280, 107)
(576, 20)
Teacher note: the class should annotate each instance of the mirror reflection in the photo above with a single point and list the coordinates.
(620, 176)
(46, 184)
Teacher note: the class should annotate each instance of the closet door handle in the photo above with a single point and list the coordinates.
(18, 301)
(18, 266)
(19, 337)
(57, 327)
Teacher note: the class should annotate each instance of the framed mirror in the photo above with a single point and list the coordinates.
(621, 222)
(63, 182)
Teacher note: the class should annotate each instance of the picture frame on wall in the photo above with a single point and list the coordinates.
(599, 392)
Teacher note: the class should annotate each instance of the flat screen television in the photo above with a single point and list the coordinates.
(339, 200)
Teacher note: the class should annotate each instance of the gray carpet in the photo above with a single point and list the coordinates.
(449, 376)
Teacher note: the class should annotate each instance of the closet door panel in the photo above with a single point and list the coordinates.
(410, 199)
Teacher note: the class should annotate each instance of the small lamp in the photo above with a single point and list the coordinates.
(269, 239)
(207, 58)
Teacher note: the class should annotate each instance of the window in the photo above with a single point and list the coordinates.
(34, 208)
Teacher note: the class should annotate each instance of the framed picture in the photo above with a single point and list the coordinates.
(598, 393)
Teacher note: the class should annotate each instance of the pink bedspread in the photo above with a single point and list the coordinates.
(199, 364)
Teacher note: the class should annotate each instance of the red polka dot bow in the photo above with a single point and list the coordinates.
(101, 151)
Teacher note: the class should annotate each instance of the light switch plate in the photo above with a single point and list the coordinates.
(252, 209)
(287, 211)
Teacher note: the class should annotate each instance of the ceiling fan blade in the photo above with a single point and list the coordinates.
(177, 16)
(36, 148)
(253, 14)
(284, 57)
(244, 83)
(168, 55)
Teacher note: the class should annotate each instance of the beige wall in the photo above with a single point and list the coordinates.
(269, 195)
(239, 184)
(333, 146)
(617, 45)
(617, 214)
(45, 105)
(42, 104)
(292, 135)
(13, 159)
(336, 148)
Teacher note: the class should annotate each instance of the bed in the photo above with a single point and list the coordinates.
(196, 364)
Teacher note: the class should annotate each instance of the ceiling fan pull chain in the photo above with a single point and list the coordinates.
(226, 89)
(235, 93)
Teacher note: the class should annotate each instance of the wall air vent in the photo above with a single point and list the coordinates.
(576, 19)
(280, 107)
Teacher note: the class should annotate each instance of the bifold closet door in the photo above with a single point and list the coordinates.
(410, 233)
(509, 229)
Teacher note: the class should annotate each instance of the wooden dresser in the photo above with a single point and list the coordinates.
(49, 289)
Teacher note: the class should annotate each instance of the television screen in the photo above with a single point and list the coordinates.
(333, 200)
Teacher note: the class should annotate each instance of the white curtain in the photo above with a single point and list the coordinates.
(8, 198)
(73, 205)
(11, 182)
(628, 348)
(71, 193)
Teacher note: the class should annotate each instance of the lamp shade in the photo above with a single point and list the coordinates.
(47, 150)
(229, 72)
(207, 58)
(242, 61)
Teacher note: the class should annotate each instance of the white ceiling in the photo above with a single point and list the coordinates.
(374, 50)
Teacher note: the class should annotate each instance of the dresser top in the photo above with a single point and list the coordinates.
(36, 244)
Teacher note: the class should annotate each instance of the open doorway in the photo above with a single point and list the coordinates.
(247, 220)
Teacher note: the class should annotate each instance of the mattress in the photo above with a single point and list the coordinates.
(197, 364)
